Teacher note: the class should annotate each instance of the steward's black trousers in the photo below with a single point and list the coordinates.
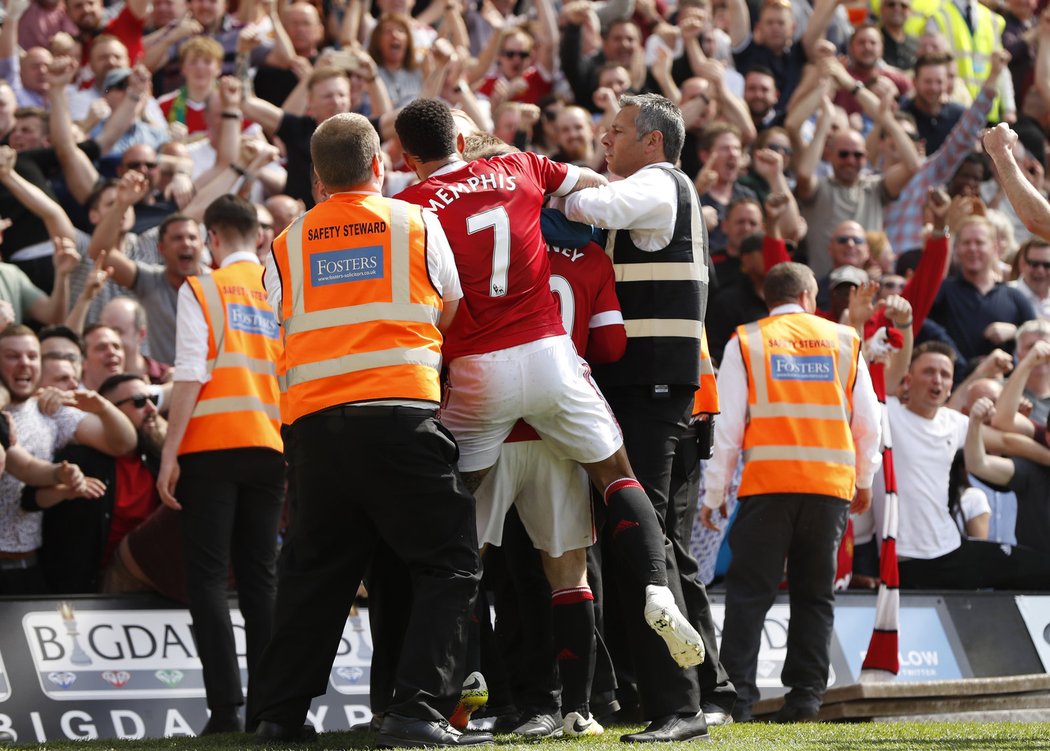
(231, 506)
(365, 474)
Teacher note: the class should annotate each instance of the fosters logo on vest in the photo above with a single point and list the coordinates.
(253, 321)
(802, 368)
(353, 265)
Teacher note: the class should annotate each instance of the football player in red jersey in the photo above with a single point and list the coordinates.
(507, 352)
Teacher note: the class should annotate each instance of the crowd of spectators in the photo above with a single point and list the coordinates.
(849, 133)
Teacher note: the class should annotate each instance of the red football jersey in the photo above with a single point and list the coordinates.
(490, 211)
(585, 285)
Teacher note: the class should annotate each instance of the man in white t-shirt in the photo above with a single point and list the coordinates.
(926, 436)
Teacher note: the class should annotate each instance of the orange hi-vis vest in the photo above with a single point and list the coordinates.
(705, 400)
(359, 311)
(238, 407)
(801, 371)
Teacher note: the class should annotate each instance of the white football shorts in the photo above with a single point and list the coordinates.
(553, 497)
(543, 382)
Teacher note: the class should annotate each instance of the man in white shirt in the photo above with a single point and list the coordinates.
(926, 436)
(660, 252)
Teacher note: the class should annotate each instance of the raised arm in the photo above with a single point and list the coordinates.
(806, 167)
(898, 311)
(52, 309)
(160, 46)
(995, 365)
(132, 188)
(133, 106)
(739, 21)
(76, 319)
(34, 199)
(477, 72)
(546, 37)
(260, 111)
(78, 170)
(9, 32)
(817, 26)
(992, 469)
(769, 165)
(1031, 207)
(1006, 416)
(283, 51)
(732, 108)
(879, 110)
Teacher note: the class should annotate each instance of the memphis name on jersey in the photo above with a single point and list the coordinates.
(452, 191)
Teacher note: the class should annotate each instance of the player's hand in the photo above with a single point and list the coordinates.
(86, 401)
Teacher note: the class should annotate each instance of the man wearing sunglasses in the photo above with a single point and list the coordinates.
(850, 192)
(1034, 283)
(525, 64)
(81, 534)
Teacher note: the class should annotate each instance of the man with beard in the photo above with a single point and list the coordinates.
(144, 547)
(81, 534)
(575, 137)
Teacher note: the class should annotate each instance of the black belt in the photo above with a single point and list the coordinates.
(380, 410)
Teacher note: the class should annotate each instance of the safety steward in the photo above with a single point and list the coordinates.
(222, 463)
(365, 285)
(796, 396)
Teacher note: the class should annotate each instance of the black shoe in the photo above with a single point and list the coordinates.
(225, 720)
(796, 713)
(535, 726)
(399, 731)
(268, 732)
(674, 727)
